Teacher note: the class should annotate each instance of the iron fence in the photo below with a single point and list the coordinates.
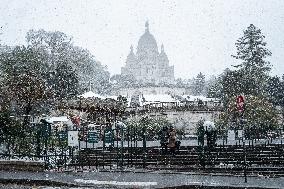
(108, 147)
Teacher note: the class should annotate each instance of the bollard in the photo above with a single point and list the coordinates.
(245, 158)
(144, 147)
(121, 146)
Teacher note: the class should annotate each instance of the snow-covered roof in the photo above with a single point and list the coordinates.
(196, 98)
(111, 97)
(91, 94)
(58, 119)
(158, 98)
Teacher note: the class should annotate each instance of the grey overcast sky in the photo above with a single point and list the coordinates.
(198, 35)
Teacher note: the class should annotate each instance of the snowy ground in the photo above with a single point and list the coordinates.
(15, 186)
(154, 179)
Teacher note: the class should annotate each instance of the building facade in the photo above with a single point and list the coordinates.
(152, 90)
(148, 65)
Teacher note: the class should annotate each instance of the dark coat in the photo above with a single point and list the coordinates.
(172, 139)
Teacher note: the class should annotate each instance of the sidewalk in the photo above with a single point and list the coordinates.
(138, 179)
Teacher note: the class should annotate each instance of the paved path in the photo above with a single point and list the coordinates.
(140, 179)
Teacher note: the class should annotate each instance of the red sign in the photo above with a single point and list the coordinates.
(75, 120)
(240, 103)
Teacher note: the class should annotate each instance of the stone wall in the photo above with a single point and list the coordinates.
(187, 119)
(10, 165)
(151, 90)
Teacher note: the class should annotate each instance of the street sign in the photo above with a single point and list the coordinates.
(93, 137)
(231, 135)
(240, 103)
(108, 136)
(62, 135)
(240, 133)
(73, 138)
(76, 120)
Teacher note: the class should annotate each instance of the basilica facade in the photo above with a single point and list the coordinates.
(148, 65)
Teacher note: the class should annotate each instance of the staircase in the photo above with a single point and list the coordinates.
(260, 159)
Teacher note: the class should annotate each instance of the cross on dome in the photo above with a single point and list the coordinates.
(162, 48)
(147, 26)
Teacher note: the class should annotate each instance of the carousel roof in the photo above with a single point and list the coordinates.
(91, 94)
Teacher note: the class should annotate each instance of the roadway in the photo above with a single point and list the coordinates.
(133, 179)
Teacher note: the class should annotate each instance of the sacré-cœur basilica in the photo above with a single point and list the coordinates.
(150, 68)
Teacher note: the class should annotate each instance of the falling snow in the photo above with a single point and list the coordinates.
(67, 122)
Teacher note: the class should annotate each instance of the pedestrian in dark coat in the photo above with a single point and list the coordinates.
(164, 136)
(172, 140)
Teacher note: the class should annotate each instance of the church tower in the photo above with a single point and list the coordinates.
(148, 66)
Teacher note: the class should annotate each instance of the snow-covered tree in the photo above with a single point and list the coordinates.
(199, 84)
(250, 78)
(124, 81)
(66, 80)
(23, 85)
(60, 49)
(260, 116)
(275, 89)
(152, 126)
(252, 73)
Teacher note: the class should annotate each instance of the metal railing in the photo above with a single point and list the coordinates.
(120, 147)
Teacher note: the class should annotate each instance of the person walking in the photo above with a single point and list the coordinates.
(172, 140)
(164, 136)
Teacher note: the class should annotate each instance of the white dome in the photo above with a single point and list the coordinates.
(147, 45)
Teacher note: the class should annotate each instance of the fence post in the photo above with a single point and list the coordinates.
(47, 131)
(245, 163)
(131, 145)
(128, 142)
(144, 147)
(104, 145)
(117, 149)
(38, 133)
(121, 145)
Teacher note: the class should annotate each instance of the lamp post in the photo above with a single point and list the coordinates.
(144, 146)
(244, 150)
(241, 108)
(47, 130)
